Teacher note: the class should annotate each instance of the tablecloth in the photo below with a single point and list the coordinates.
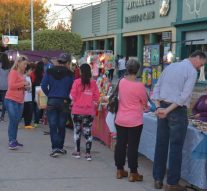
(194, 170)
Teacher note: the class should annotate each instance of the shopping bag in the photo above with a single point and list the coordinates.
(40, 98)
(110, 118)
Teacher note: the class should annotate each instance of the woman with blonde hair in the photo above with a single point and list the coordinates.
(14, 99)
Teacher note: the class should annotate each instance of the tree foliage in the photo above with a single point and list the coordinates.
(22, 45)
(15, 16)
(58, 40)
(62, 26)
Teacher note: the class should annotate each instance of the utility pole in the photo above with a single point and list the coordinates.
(32, 24)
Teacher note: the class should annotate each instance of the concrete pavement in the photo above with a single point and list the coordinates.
(32, 169)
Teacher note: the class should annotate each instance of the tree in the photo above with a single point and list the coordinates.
(58, 40)
(62, 26)
(15, 16)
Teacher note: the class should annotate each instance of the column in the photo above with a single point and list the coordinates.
(120, 45)
(106, 44)
(94, 45)
(140, 47)
(87, 45)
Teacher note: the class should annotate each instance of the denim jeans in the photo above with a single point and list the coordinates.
(15, 113)
(2, 94)
(57, 111)
(36, 113)
(171, 132)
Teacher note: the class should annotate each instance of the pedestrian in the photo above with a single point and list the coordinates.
(36, 76)
(129, 122)
(56, 84)
(172, 95)
(14, 99)
(5, 67)
(28, 104)
(84, 96)
(121, 66)
(47, 63)
(199, 110)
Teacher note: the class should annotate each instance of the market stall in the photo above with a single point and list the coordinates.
(194, 165)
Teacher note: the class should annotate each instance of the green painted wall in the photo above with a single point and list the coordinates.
(156, 22)
(194, 9)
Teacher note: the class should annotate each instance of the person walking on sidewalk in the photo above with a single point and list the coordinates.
(172, 95)
(56, 84)
(129, 122)
(84, 96)
(14, 99)
(5, 67)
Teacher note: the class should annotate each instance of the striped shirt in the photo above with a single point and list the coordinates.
(176, 83)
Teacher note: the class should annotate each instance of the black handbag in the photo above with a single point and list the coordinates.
(113, 104)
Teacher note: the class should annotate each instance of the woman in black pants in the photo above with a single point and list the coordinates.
(129, 122)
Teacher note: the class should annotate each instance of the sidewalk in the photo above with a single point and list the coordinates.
(32, 169)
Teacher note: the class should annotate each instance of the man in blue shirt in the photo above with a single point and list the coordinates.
(172, 95)
(47, 63)
(56, 84)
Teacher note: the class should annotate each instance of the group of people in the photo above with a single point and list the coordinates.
(171, 96)
(63, 85)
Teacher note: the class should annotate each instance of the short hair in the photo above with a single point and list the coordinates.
(198, 53)
(132, 66)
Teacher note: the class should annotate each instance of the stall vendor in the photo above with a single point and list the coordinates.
(199, 110)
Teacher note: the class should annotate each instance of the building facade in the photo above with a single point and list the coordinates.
(126, 26)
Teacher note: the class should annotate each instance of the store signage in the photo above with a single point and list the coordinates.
(6, 39)
(140, 17)
(139, 3)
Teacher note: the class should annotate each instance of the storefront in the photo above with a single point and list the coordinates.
(191, 27)
(99, 25)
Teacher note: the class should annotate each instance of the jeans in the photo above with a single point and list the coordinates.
(111, 74)
(127, 142)
(37, 113)
(2, 94)
(171, 134)
(57, 111)
(121, 73)
(15, 113)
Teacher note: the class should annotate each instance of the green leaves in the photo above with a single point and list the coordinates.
(58, 40)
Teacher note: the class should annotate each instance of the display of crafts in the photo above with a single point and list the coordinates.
(104, 88)
(199, 124)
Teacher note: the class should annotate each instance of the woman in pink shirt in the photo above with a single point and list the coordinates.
(129, 122)
(84, 95)
(14, 99)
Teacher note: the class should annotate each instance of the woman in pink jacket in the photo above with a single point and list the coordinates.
(84, 95)
(14, 99)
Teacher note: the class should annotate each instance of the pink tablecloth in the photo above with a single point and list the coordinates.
(100, 129)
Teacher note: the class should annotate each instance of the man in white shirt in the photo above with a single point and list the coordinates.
(121, 66)
(172, 95)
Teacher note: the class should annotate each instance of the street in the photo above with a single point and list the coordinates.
(32, 169)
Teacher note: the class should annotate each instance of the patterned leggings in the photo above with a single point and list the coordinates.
(83, 123)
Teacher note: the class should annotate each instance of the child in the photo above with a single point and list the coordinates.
(28, 104)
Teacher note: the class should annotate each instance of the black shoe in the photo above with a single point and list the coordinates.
(55, 153)
(63, 151)
(158, 184)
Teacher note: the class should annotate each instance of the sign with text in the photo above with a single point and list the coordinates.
(6, 39)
